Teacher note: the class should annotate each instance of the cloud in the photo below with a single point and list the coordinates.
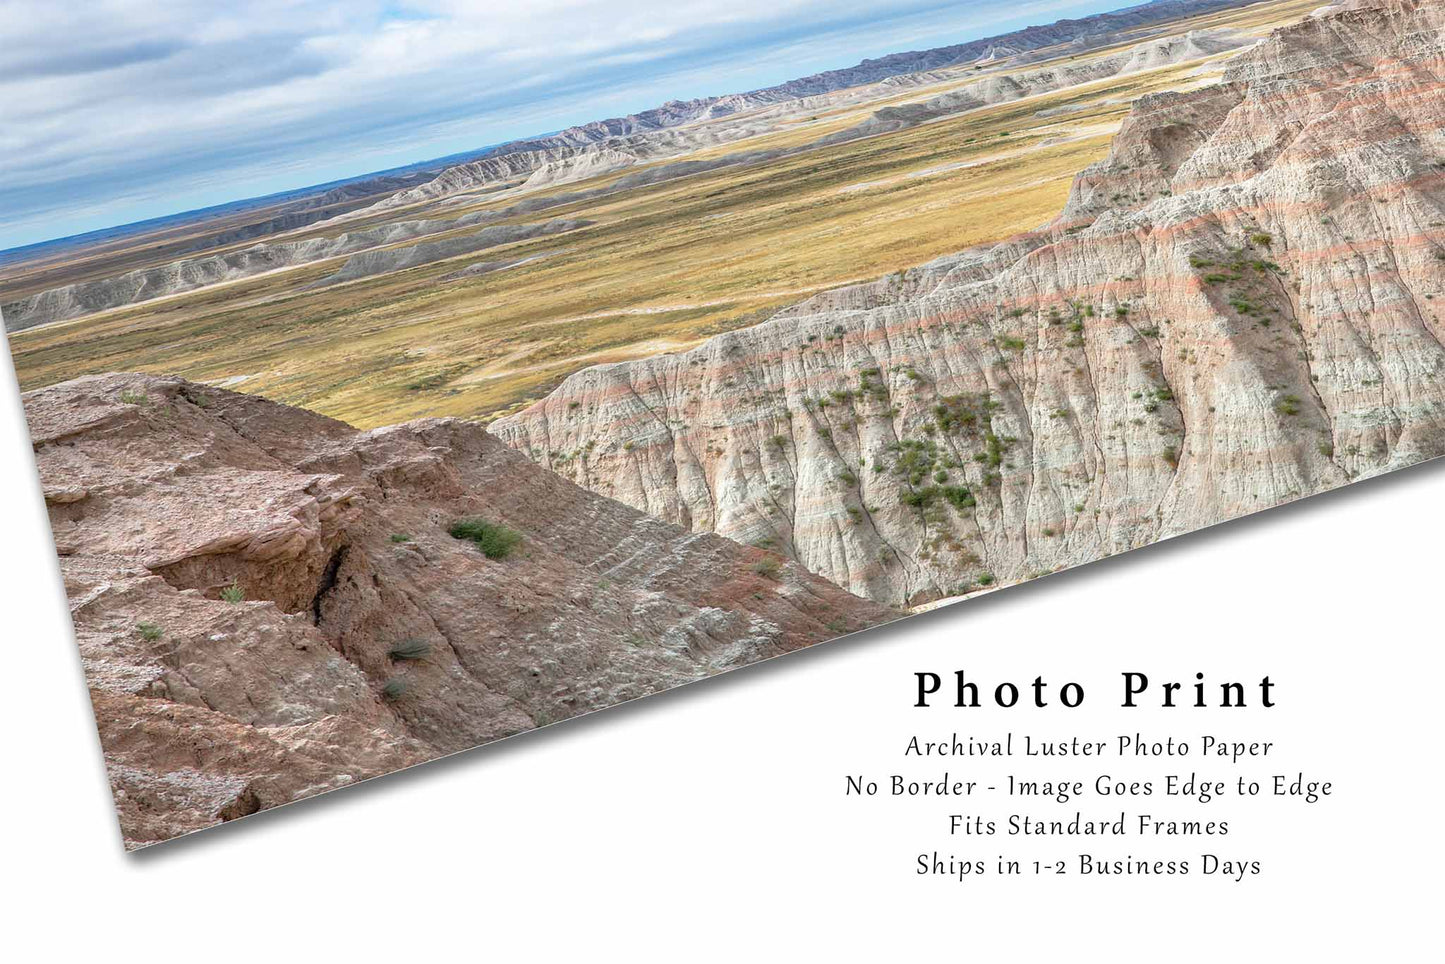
(121, 109)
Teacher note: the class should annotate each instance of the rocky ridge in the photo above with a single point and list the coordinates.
(608, 145)
(269, 603)
(1237, 308)
(1001, 88)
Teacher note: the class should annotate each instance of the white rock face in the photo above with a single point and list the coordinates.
(1237, 308)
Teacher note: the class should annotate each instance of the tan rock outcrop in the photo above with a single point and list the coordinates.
(269, 604)
(1237, 308)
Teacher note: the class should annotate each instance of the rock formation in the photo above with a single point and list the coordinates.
(1237, 308)
(1000, 88)
(270, 604)
(87, 297)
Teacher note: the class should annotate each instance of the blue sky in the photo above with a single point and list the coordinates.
(114, 111)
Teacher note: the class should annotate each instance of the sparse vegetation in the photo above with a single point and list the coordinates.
(409, 649)
(400, 537)
(495, 541)
(233, 593)
(1288, 405)
(768, 568)
(395, 688)
(959, 496)
(150, 632)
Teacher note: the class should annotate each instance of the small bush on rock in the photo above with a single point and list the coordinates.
(495, 541)
(409, 649)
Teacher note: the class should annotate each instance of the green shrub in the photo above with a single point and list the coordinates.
(409, 649)
(986, 579)
(395, 688)
(917, 498)
(1289, 405)
(150, 632)
(495, 541)
(994, 455)
(400, 537)
(768, 568)
(135, 398)
(233, 593)
(959, 496)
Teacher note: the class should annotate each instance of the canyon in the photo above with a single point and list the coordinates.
(1231, 306)
(1235, 309)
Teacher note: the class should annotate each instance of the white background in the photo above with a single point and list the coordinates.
(711, 822)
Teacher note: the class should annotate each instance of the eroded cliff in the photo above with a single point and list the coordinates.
(1237, 308)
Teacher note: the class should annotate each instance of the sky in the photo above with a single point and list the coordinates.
(113, 111)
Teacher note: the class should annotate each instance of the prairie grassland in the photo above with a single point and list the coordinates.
(662, 268)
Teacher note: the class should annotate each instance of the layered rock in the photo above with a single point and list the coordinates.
(270, 604)
(1001, 88)
(1237, 308)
